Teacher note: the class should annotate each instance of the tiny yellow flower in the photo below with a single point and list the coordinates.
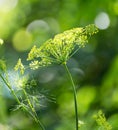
(34, 64)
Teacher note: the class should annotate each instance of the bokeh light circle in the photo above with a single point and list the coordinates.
(7, 5)
(22, 40)
(102, 21)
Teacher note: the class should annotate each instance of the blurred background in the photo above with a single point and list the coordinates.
(24, 23)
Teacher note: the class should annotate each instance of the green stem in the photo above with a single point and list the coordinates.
(18, 101)
(13, 93)
(10, 88)
(74, 92)
(33, 110)
(74, 52)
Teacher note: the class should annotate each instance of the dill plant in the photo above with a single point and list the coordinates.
(26, 104)
(59, 50)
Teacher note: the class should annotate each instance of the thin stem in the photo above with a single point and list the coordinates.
(13, 93)
(18, 101)
(10, 88)
(74, 52)
(33, 110)
(74, 92)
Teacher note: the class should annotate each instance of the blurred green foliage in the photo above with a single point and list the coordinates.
(24, 23)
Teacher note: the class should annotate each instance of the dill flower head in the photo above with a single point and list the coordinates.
(59, 49)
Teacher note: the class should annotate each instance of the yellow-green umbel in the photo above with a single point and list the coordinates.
(59, 49)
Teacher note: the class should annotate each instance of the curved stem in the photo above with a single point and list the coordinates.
(74, 93)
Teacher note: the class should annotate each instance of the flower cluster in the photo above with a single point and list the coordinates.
(19, 66)
(101, 121)
(59, 49)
